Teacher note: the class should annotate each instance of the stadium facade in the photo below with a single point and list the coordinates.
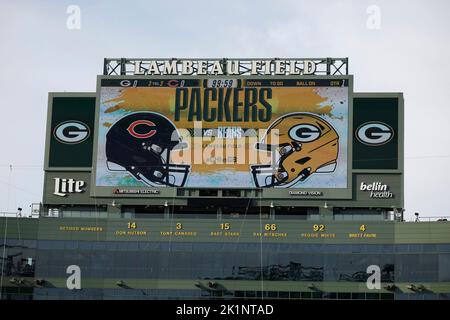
(221, 179)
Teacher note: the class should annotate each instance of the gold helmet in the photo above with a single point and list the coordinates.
(300, 144)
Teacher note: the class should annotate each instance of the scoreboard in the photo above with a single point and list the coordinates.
(266, 137)
(283, 134)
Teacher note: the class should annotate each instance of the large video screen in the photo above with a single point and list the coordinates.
(222, 133)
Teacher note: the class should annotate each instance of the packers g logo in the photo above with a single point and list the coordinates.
(374, 133)
(304, 133)
(71, 132)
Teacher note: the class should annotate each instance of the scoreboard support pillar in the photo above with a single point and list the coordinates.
(326, 213)
(114, 211)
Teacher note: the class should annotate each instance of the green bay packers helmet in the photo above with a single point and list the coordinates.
(300, 144)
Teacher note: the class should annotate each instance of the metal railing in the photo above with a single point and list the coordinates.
(430, 219)
(17, 215)
(97, 214)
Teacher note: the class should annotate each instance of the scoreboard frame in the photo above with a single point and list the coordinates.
(318, 194)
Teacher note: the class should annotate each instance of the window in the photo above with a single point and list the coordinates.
(295, 295)
(306, 295)
(317, 295)
(344, 295)
(358, 296)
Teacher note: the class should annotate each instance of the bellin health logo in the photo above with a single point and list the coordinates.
(377, 190)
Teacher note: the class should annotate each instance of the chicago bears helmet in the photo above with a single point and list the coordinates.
(141, 143)
(300, 144)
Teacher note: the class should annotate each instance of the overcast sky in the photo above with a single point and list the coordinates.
(407, 51)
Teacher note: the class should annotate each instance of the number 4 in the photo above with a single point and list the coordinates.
(362, 227)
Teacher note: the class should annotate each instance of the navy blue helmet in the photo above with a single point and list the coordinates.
(141, 143)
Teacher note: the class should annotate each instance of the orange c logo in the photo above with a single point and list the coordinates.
(150, 133)
(172, 83)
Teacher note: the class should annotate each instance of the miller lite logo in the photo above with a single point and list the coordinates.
(64, 186)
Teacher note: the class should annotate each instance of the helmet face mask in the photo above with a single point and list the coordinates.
(141, 143)
(300, 144)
